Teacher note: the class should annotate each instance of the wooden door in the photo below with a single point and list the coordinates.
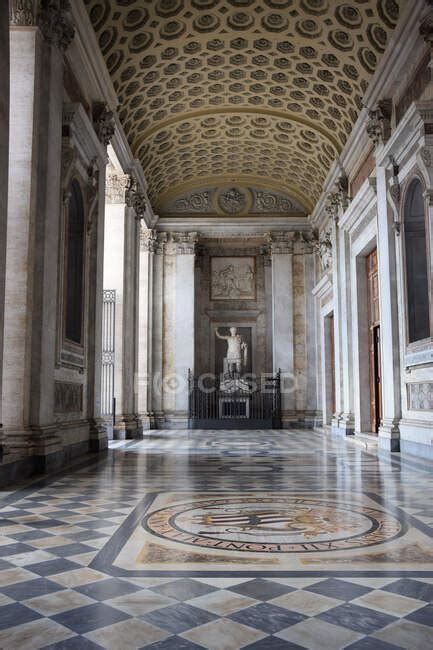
(374, 341)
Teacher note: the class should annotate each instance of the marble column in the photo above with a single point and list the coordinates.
(158, 329)
(36, 47)
(97, 435)
(311, 368)
(185, 316)
(129, 416)
(346, 423)
(148, 243)
(343, 421)
(281, 247)
(114, 279)
(4, 155)
(267, 263)
(389, 432)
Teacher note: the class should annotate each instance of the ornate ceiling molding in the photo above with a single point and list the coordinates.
(192, 77)
(232, 200)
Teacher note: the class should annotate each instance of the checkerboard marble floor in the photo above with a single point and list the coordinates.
(221, 540)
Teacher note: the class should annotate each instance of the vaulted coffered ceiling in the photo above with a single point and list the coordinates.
(250, 95)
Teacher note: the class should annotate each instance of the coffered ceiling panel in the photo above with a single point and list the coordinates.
(252, 92)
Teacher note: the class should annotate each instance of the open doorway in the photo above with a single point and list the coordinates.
(374, 341)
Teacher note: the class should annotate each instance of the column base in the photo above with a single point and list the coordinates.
(98, 439)
(343, 424)
(389, 434)
(128, 427)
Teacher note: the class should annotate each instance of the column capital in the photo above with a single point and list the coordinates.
(52, 16)
(103, 122)
(55, 23)
(148, 240)
(161, 240)
(379, 122)
(280, 243)
(115, 187)
(186, 242)
(134, 198)
(265, 252)
(22, 13)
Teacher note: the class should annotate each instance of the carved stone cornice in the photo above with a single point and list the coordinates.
(186, 242)
(379, 122)
(148, 240)
(103, 122)
(115, 188)
(55, 23)
(135, 199)
(280, 243)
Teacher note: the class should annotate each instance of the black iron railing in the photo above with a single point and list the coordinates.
(257, 403)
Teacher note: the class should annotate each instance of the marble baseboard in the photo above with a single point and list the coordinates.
(17, 469)
(416, 449)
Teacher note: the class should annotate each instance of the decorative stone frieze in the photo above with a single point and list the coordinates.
(55, 23)
(68, 397)
(186, 242)
(420, 396)
(379, 122)
(148, 240)
(115, 188)
(280, 243)
(103, 121)
(134, 198)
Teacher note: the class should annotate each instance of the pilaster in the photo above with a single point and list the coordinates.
(148, 243)
(4, 155)
(389, 432)
(185, 316)
(281, 249)
(39, 35)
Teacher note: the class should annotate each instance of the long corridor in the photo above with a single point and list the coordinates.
(221, 540)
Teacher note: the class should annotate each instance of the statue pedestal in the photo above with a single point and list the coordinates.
(234, 408)
(234, 385)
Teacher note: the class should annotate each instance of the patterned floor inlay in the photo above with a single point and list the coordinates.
(221, 540)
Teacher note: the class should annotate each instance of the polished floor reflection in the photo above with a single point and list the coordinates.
(221, 540)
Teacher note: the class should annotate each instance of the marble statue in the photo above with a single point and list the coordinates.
(237, 352)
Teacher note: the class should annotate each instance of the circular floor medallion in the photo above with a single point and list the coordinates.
(273, 524)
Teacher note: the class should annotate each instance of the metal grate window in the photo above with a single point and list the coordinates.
(108, 326)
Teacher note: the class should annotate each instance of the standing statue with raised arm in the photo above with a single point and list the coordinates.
(237, 352)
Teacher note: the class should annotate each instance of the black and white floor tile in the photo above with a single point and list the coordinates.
(221, 540)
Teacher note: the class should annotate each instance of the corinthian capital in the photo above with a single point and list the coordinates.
(280, 243)
(22, 13)
(186, 242)
(135, 199)
(103, 122)
(55, 23)
(379, 122)
(148, 240)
